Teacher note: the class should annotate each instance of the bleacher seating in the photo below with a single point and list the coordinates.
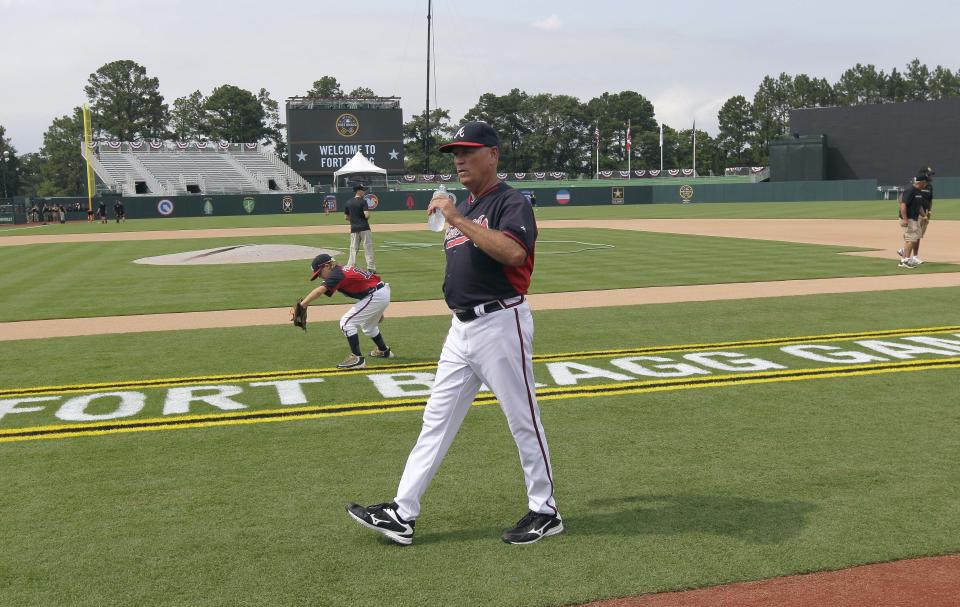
(171, 168)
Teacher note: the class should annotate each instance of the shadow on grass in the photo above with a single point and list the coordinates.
(751, 520)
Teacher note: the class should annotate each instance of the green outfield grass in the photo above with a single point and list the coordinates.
(874, 209)
(658, 491)
(99, 279)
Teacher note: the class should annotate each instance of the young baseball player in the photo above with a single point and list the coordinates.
(372, 295)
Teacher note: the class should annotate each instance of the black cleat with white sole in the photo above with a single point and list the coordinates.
(533, 527)
(383, 518)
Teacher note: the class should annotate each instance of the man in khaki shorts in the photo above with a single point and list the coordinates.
(913, 220)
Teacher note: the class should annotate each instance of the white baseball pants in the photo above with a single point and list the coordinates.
(366, 313)
(495, 350)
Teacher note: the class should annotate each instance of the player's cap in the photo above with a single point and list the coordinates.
(922, 176)
(359, 188)
(318, 262)
(473, 135)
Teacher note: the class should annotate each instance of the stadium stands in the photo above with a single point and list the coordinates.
(171, 168)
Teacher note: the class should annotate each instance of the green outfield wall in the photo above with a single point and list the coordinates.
(609, 193)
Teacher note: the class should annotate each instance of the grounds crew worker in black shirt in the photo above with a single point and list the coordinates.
(357, 213)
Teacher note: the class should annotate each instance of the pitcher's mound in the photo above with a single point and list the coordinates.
(239, 253)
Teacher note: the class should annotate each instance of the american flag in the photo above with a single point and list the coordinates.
(596, 135)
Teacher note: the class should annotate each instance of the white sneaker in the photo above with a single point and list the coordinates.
(916, 260)
(906, 263)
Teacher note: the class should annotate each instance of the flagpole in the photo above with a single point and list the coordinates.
(661, 147)
(596, 139)
(629, 153)
(694, 147)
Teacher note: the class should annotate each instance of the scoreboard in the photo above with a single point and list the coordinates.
(324, 134)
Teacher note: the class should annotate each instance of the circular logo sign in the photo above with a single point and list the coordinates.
(563, 197)
(686, 193)
(165, 207)
(347, 125)
(372, 201)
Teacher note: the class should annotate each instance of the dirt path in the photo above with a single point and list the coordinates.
(70, 327)
(882, 235)
(926, 582)
(871, 234)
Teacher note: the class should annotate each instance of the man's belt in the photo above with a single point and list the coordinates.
(487, 308)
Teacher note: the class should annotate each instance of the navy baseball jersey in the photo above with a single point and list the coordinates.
(352, 282)
(473, 277)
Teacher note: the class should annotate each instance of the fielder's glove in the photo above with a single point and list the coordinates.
(300, 315)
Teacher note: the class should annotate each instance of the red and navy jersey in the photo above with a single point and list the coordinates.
(352, 282)
(473, 277)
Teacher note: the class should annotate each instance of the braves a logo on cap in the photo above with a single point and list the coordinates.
(459, 133)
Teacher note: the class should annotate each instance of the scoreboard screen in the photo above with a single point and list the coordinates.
(323, 139)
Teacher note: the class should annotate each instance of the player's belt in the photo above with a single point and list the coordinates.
(487, 308)
(374, 289)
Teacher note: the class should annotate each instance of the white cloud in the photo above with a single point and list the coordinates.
(550, 23)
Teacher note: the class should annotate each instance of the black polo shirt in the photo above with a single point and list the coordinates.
(914, 199)
(354, 211)
(473, 277)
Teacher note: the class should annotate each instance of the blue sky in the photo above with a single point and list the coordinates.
(687, 58)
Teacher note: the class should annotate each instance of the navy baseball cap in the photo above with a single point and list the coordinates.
(317, 264)
(473, 135)
(360, 187)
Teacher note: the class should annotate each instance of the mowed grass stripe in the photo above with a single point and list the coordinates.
(316, 412)
(326, 372)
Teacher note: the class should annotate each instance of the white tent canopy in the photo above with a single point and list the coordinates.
(358, 165)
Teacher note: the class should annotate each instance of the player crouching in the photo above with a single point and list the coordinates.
(372, 295)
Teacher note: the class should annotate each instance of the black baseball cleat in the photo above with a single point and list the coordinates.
(383, 518)
(533, 527)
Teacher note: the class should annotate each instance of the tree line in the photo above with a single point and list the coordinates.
(539, 132)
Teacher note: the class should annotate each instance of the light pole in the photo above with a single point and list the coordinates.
(6, 159)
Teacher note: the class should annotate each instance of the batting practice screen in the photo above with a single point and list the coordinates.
(322, 138)
(887, 142)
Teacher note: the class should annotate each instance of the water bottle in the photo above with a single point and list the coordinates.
(436, 220)
(442, 189)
